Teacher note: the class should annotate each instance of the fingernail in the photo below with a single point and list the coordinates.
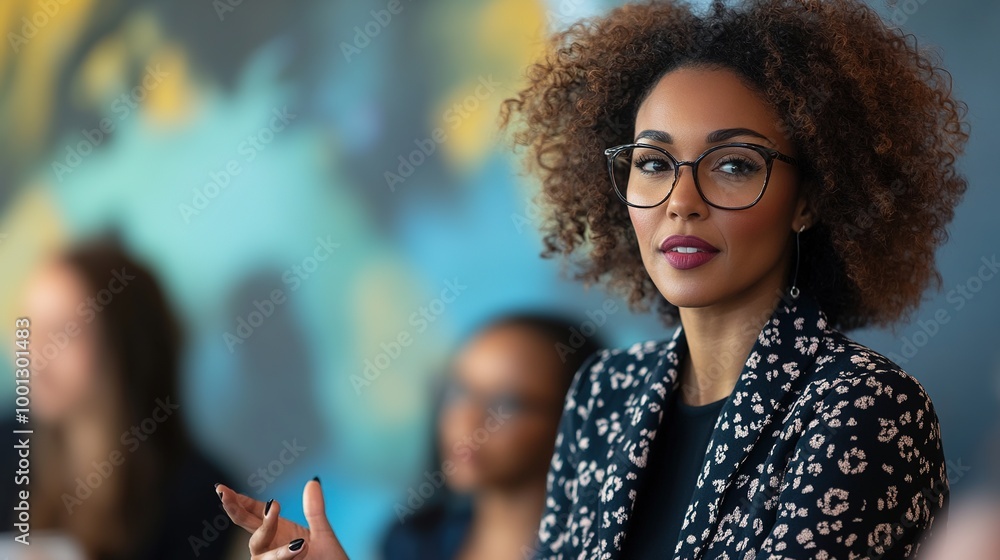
(316, 478)
(296, 544)
(267, 506)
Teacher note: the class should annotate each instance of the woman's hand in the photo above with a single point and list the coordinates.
(274, 538)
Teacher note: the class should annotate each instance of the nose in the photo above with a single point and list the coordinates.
(684, 201)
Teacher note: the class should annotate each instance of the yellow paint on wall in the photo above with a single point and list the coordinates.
(30, 230)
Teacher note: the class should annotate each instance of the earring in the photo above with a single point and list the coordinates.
(794, 291)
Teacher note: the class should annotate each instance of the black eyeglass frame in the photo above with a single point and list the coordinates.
(769, 155)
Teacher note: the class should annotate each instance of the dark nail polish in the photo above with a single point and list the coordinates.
(267, 506)
(217, 484)
(316, 478)
(296, 544)
(220, 495)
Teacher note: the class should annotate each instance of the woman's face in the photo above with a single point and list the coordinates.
(64, 375)
(487, 441)
(752, 246)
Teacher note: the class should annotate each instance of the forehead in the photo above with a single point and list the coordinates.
(509, 357)
(690, 102)
(55, 288)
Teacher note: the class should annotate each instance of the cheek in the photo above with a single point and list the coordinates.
(760, 231)
(644, 223)
(72, 371)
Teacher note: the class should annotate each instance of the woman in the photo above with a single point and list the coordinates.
(499, 414)
(769, 175)
(112, 468)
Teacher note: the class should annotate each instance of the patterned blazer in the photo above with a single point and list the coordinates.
(824, 449)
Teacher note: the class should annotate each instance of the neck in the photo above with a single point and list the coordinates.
(507, 519)
(719, 340)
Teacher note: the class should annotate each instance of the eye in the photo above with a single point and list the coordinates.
(738, 166)
(506, 403)
(455, 392)
(652, 164)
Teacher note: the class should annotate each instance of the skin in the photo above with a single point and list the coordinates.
(68, 388)
(67, 382)
(725, 302)
(504, 467)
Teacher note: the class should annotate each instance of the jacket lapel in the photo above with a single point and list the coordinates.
(785, 347)
(657, 376)
(775, 372)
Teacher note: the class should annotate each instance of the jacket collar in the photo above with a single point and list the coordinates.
(786, 347)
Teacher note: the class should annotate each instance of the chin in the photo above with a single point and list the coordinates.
(463, 481)
(687, 294)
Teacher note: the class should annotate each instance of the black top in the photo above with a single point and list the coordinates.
(677, 456)
(435, 531)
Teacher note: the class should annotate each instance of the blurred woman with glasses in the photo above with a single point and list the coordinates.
(500, 409)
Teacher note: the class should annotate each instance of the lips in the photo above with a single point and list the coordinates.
(687, 244)
(685, 252)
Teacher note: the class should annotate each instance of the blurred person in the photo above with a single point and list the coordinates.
(112, 468)
(500, 412)
(973, 531)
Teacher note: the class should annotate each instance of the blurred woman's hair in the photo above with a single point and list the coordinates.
(564, 332)
(139, 347)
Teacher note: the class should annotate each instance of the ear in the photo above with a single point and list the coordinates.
(804, 214)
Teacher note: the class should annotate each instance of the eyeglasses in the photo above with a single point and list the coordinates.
(728, 176)
(456, 393)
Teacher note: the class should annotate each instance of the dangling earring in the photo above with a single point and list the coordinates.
(794, 291)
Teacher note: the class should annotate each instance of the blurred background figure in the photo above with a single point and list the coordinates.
(112, 468)
(499, 412)
(972, 531)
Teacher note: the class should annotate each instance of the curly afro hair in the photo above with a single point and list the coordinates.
(872, 117)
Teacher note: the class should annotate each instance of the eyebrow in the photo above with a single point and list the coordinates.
(712, 137)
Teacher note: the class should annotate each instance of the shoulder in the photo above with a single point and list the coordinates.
(859, 394)
(845, 367)
(622, 366)
(610, 375)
